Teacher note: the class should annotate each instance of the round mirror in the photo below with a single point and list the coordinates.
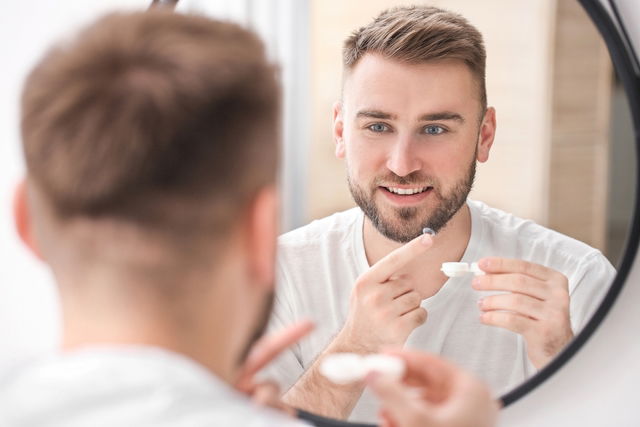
(554, 186)
(560, 158)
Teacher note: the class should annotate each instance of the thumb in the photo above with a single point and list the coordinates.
(400, 403)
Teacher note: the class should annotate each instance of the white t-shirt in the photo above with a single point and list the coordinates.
(124, 386)
(319, 263)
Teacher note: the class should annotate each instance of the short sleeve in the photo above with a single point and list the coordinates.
(590, 284)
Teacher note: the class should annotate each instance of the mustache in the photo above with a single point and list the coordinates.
(414, 178)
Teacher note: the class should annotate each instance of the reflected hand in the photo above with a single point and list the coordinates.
(384, 307)
(262, 353)
(536, 307)
(433, 393)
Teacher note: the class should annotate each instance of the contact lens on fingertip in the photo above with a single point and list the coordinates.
(428, 231)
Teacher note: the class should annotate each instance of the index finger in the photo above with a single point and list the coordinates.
(269, 347)
(382, 270)
(509, 265)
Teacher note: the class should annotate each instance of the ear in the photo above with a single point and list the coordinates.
(262, 232)
(487, 134)
(22, 218)
(338, 129)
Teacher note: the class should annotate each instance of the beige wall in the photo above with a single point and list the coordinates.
(530, 60)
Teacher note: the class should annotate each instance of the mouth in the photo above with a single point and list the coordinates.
(406, 191)
(406, 196)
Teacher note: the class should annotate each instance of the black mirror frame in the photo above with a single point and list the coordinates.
(625, 64)
(627, 67)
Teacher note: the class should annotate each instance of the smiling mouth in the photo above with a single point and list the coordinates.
(407, 191)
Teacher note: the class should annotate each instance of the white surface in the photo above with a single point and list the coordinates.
(29, 317)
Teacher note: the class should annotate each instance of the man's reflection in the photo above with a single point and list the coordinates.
(411, 125)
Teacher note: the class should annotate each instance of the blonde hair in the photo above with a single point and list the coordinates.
(418, 34)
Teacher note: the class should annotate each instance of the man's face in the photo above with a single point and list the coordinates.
(411, 134)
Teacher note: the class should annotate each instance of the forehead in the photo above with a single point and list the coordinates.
(376, 82)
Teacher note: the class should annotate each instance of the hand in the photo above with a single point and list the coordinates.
(536, 307)
(433, 393)
(262, 353)
(384, 307)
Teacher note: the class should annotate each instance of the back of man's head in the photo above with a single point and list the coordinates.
(159, 120)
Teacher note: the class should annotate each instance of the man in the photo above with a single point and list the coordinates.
(133, 135)
(151, 144)
(411, 125)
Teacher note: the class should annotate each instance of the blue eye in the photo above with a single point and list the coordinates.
(378, 127)
(434, 130)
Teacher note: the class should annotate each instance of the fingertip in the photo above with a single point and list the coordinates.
(307, 324)
(426, 240)
(476, 282)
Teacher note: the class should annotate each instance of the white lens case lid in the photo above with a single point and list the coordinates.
(455, 269)
(459, 269)
(345, 368)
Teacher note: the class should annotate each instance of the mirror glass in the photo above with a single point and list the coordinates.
(555, 189)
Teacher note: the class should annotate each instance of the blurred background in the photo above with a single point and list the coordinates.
(562, 156)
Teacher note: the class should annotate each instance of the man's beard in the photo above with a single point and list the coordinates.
(409, 222)
(260, 327)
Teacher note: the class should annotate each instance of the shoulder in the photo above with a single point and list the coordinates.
(110, 388)
(522, 236)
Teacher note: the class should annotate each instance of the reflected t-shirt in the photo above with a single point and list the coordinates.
(318, 265)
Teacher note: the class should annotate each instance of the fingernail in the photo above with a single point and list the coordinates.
(483, 263)
(481, 302)
(475, 282)
(426, 239)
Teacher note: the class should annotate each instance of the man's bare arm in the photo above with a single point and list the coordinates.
(384, 309)
(314, 393)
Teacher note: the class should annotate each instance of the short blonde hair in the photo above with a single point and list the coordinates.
(418, 34)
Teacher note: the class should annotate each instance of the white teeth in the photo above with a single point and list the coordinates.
(406, 191)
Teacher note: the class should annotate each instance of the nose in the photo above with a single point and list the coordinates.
(403, 158)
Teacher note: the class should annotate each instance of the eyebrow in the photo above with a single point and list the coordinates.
(444, 115)
(376, 114)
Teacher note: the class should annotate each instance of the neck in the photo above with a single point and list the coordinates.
(449, 245)
(109, 310)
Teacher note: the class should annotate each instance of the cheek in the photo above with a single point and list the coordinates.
(448, 162)
(364, 159)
